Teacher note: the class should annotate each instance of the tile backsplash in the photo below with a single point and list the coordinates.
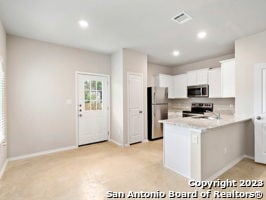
(222, 105)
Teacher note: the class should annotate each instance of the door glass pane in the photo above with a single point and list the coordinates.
(99, 85)
(99, 105)
(87, 85)
(93, 96)
(87, 95)
(87, 106)
(93, 85)
(99, 96)
(93, 105)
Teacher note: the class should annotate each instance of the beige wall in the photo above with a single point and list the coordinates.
(249, 51)
(124, 61)
(3, 149)
(41, 79)
(154, 70)
(208, 63)
(223, 146)
(117, 86)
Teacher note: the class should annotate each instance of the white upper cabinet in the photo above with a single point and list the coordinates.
(202, 76)
(228, 78)
(221, 81)
(180, 86)
(215, 83)
(198, 77)
(165, 80)
(192, 77)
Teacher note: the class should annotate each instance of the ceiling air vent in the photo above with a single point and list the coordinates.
(181, 18)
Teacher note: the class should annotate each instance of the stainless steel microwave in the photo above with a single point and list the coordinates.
(198, 91)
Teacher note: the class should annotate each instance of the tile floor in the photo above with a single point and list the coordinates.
(88, 172)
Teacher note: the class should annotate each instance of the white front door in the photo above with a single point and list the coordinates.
(260, 112)
(93, 108)
(135, 108)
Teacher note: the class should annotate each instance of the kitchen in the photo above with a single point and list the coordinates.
(77, 106)
(199, 100)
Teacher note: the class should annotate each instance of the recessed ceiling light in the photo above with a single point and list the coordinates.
(176, 53)
(83, 23)
(202, 34)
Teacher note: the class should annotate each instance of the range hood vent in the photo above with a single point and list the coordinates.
(181, 18)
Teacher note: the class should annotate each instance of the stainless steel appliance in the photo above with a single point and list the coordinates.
(198, 91)
(198, 108)
(157, 110)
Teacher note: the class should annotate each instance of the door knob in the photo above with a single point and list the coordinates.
(258, 118)
(140, 111)
(80, 105)
(80, 115)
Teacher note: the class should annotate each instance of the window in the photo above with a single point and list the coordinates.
(93, 95)
(2, 102)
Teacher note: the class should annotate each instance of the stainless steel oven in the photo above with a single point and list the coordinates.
(198, 91)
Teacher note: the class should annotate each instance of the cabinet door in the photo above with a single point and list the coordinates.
(202, 76)
(163, 80)
(215, 82)
(167, 81)
(192, 78)
(180, 86)
(170, 87)
(228, 78)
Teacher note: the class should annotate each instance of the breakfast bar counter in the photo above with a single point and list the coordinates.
(202, 147)
(204, 122)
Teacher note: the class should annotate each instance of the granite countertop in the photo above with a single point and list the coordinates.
(204, 124)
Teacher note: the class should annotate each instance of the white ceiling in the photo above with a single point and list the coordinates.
(143, 25)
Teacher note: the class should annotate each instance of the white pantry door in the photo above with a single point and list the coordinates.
(135, 108)
(93, 105)
(260, 112)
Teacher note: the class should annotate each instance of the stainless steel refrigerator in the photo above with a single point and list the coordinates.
(157, 110)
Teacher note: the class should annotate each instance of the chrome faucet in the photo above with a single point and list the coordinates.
(217, 115)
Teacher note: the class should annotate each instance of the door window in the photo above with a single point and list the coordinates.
(93, 95)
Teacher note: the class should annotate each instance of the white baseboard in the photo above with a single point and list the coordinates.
(41, 153)
(115, 142)
(226, 168)
(172, 169)
(3, 168)
(145, 140)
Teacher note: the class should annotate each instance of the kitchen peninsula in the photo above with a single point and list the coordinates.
(202, 148)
